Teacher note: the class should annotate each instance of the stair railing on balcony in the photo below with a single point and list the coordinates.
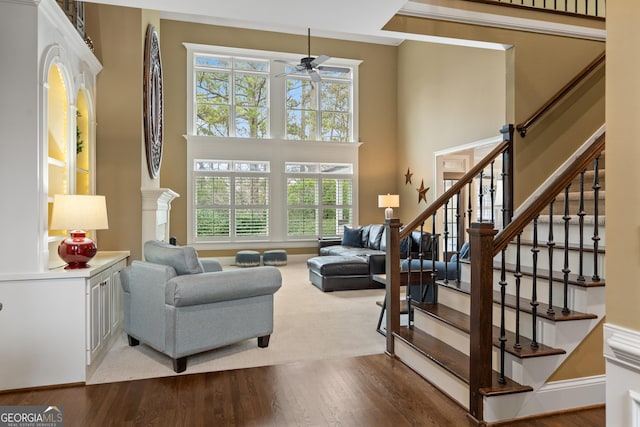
(581, 8)
(427, 268)
(523, 127)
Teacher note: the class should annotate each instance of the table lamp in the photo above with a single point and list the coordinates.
(78, 213)
(388, 201)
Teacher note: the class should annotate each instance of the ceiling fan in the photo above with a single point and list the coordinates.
(310, 65)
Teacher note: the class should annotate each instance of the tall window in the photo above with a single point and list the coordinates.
(319, 111)
(296, 138)
(232, 96)
(319, 198)
(231, 199)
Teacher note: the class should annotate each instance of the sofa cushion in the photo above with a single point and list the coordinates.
(383, 239)
(364, 238)
(375, 235)
(184, 259)
(352, 236)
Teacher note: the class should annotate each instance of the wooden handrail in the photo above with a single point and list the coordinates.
(459, 185)
(523, 127)
(535, 204)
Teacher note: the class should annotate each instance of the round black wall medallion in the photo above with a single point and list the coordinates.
(153, 102)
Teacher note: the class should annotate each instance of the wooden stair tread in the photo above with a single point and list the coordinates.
(462, 322)
(454, 361)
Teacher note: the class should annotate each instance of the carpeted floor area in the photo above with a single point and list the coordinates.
(308, 325)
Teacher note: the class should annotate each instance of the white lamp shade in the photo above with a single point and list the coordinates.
(388, 201)
(79, 212)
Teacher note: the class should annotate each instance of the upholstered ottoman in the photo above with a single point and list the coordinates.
(248, 258)
(339, 273)
(277, 257)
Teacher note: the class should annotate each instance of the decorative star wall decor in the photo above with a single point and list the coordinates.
(407, 177)
(422, 192)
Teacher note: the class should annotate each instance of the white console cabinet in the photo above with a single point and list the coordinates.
(56, 326)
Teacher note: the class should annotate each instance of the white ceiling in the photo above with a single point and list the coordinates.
(345, 19)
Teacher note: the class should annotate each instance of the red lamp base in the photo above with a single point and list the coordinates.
(77, 250)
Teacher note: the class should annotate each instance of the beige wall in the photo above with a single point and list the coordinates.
(118, 35)
(377, 104)
(447, 96)
(541, 65)
(623, 152)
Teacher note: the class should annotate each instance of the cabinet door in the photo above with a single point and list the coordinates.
(105, 307)
(116, 299)
(93, 297)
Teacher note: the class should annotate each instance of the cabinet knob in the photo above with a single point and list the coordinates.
(0, 306)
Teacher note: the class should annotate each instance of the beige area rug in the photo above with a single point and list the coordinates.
(308, 325)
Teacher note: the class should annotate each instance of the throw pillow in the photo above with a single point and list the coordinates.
(351, 236)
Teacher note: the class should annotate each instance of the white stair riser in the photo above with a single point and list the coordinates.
(574, 231)
(454, 299)
(442, 331)
(434, 373)
(532, 371)
(582, 299)
(526, 259)
(510, 318)
(579, 298)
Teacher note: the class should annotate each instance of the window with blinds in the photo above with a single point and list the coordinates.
(231, 199)
(319, 198)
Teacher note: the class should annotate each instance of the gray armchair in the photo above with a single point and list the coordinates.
(181, 305)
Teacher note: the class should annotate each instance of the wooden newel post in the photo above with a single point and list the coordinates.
(392, 290)
(480, 370)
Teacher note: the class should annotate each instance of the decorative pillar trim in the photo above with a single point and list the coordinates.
(156, 207)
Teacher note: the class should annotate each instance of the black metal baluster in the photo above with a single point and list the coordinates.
(503, 294)
(581, 214)
(407, 291)
(518, 276)
(492, 191)
(566, 270)
(445, 235)
(434, 273)
(550, 246)
(469, 208)
(481, 195)
(459, 239)
(534, 291)
(596, 237)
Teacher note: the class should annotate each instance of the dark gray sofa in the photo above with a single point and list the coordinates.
(367, 243)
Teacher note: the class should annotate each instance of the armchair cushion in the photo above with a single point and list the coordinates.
(206, 288)
(184, 259)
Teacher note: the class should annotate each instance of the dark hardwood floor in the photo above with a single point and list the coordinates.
(363, 391)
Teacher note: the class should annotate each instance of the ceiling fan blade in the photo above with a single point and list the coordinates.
(315, 76)
(331, 69)
(282, 61)
(319, 60)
